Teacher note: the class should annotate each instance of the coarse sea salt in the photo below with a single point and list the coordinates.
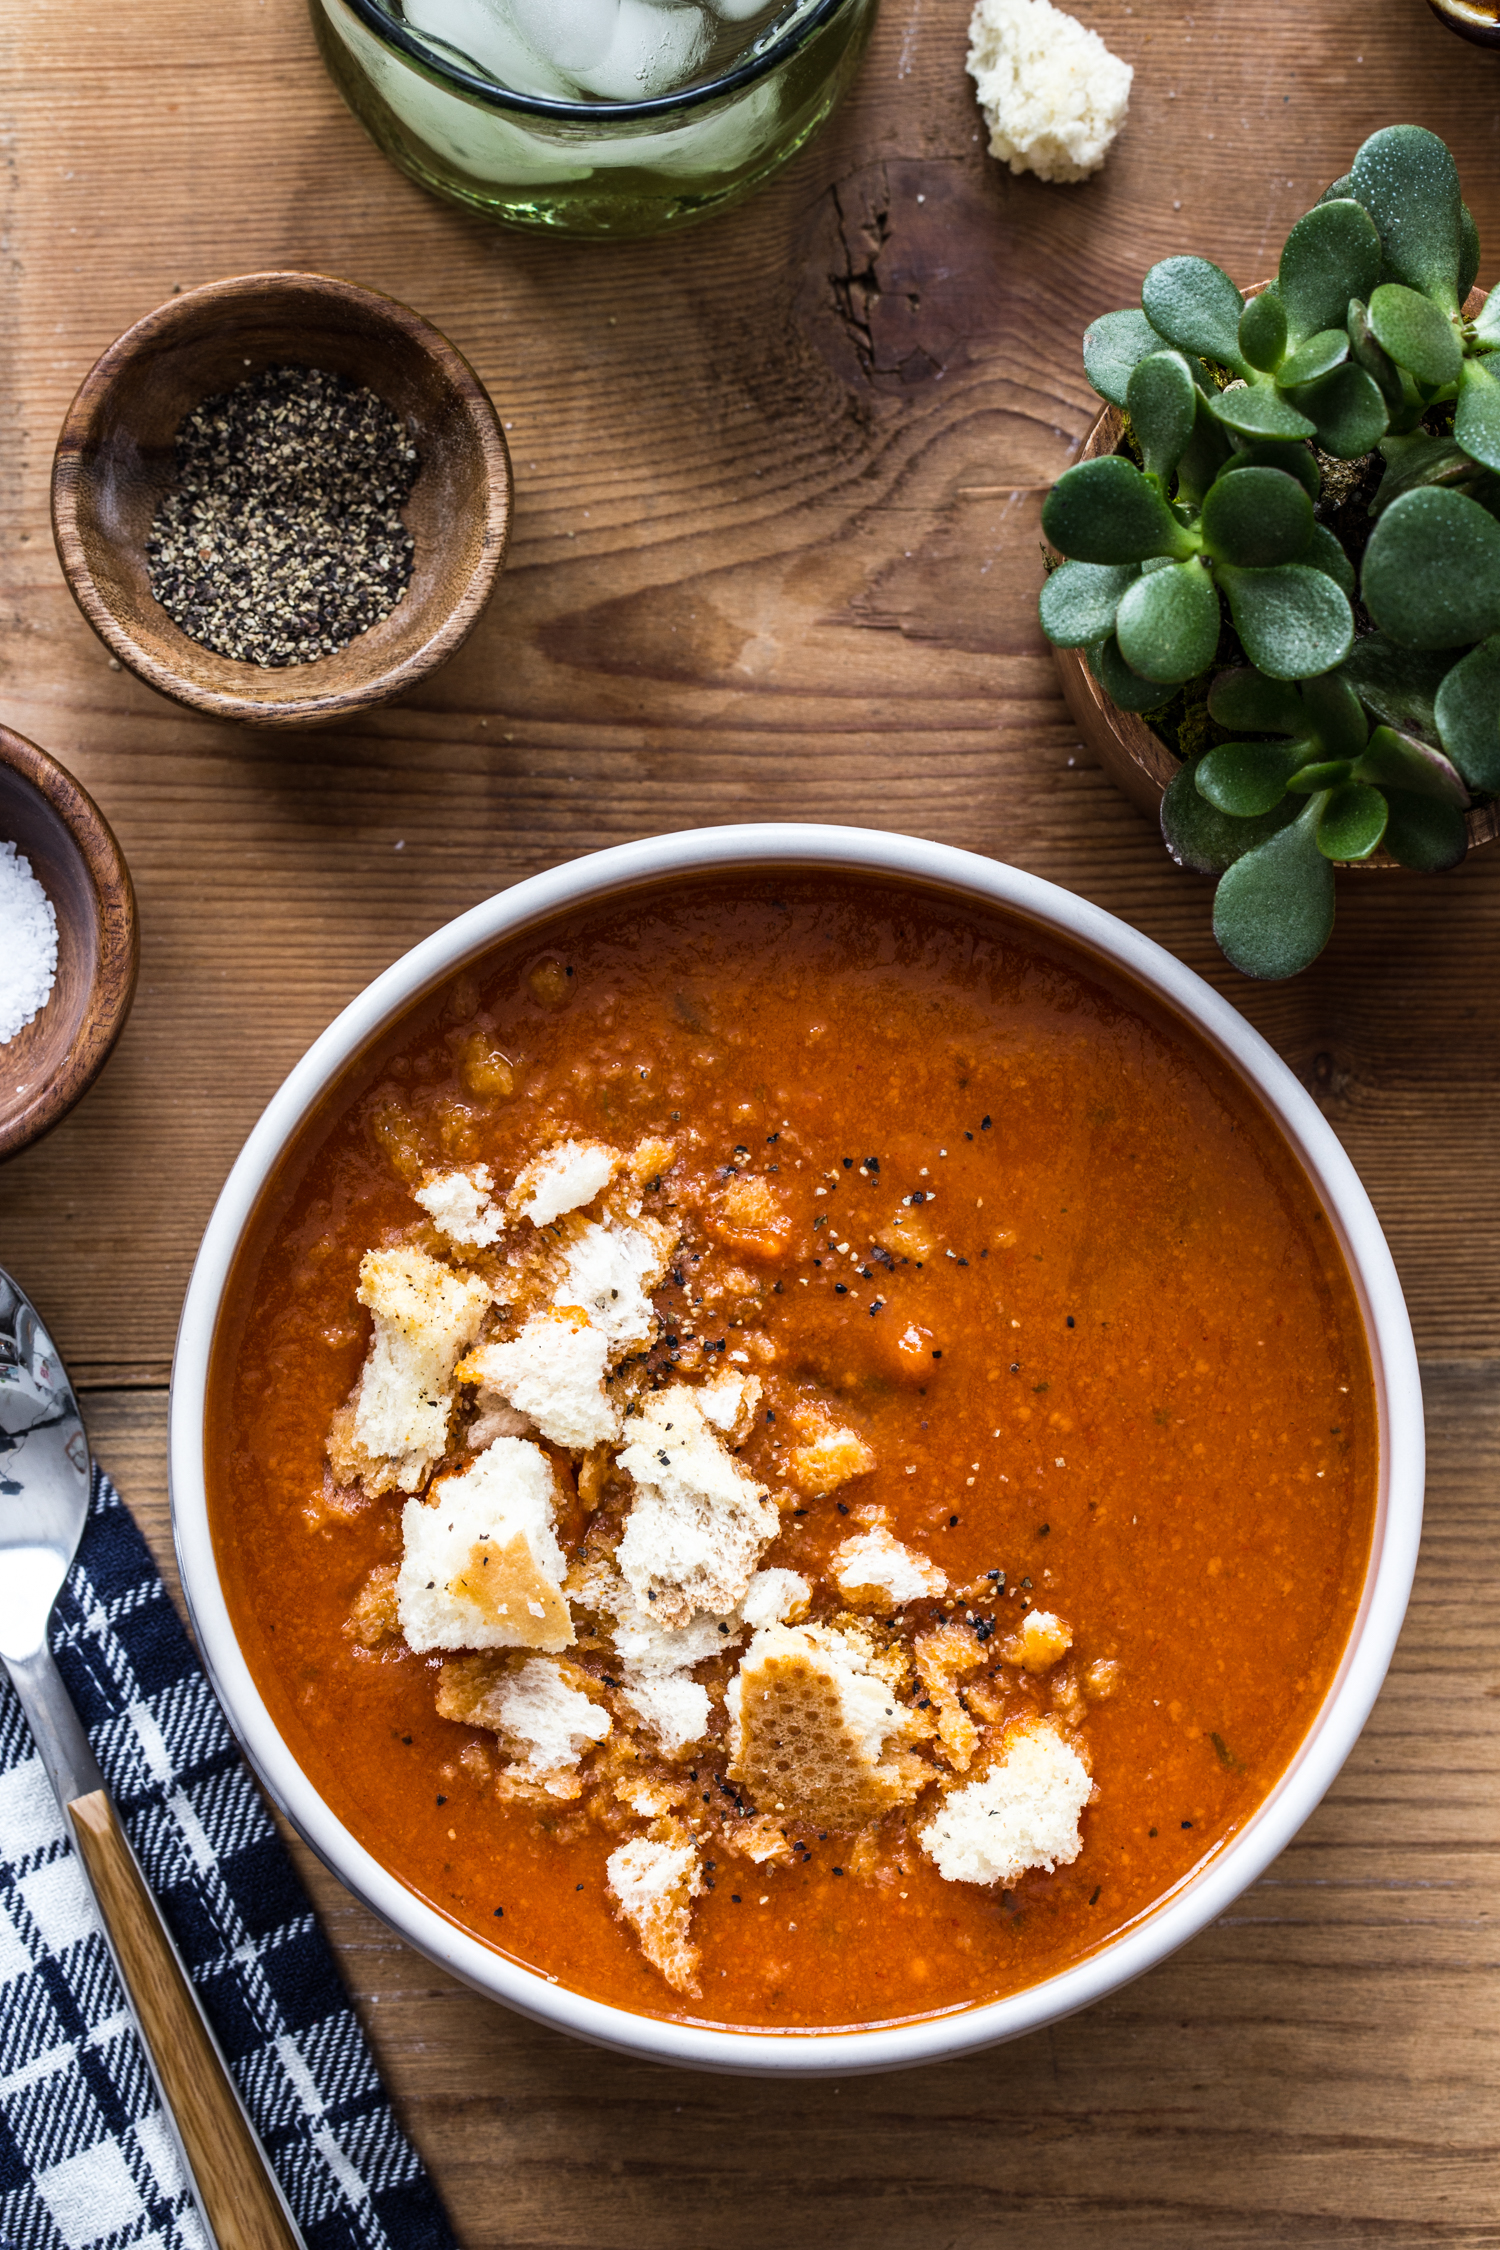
(28, 944)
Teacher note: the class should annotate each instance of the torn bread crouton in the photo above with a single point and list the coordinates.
(752, 1220)
(758, 1838)
(828, 1456)
(699, 1522)
(373, 1616)
(494, 1417)
(941, 1658)
(775, 1597)
(673, 1706)
(815, 1731)
(481, 1566)
(1043, 1640)
(395, 1427)
(564, 1179)
(648, 1160)
(728, 1402)
(545, 1714)
(656, 1663)
(652, 1883)
(877, 1570)
(554, 1372)
(458, 1204)
(610, 1271)
(1023, 1812)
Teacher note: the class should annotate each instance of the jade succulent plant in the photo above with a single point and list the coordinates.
(1292, 567)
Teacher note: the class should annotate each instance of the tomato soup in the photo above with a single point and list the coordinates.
(791, 1453)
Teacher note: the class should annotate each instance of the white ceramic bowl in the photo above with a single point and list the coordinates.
(1397, 1525)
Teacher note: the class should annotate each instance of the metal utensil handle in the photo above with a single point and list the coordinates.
(237, 2191)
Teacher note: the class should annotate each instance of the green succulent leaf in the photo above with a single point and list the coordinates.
(1079, 601)
(1273, 910)
(1431, 575)
(1120, 684)
(1376, 362)
(1476, 420)
(1399, 685)
(1398, 761)
(1244, 779)
(1335, 715)
(1324, 552)
(1349, 409)
(1202, 838)
(1168, 623)
(1324, 773)
(1257, 411)
(1206, 452)
(1321, 353)
(1423, 833)
(1487, 323)
(1417, 460)
(1468, 251)
(1256, 517)
(1262, 333)
(1416, 334)
(1293, 622)
(1352, 822)
(1250, 703)
(1331, 255)
(1161, 399)
(1408, 182)
(1298, 461)
(1340, 191)
(1196, 306)
(1468, 716)
(1104, 511)
(1113, 345)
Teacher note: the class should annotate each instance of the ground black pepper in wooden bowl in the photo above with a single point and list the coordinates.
(283, 539)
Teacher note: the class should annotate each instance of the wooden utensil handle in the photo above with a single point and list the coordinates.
(238, 2195)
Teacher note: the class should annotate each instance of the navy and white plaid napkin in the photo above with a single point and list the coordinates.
(85, 2160)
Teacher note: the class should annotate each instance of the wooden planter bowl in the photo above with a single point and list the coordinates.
(114, 464)
(1136, 760)
(73, 854)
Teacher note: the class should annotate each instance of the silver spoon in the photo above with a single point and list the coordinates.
(44, 1497)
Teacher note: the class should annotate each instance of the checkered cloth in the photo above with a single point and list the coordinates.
(85, 2159)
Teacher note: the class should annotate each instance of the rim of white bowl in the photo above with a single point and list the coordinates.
(1219, 1880)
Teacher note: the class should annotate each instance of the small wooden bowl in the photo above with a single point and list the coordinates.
(1138, 762)
(73, 854)
(1476, 20)
(114, 464)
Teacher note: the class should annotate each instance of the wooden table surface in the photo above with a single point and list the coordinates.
(778, 484)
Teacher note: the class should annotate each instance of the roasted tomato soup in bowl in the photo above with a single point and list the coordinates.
(794, 1450)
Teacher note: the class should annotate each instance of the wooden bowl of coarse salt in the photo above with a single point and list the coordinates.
(281, 498)
(68, 942)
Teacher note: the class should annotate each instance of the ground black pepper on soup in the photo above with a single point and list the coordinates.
(792, 1453)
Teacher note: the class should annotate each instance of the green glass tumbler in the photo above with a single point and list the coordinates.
(592, 168)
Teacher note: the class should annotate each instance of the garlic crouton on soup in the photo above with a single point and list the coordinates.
(872, 1567)
(395, 1427)
(699, 1522)
(610, 1271)
(1022, 1813)
(544, 1712)
(563, 1179)
(553, 1372)
(816, 1730)
(458, 1204)
(652, 1884)
(480, 1564)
